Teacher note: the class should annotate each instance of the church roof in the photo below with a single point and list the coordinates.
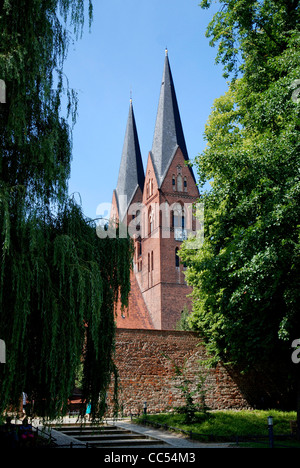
(131, 172)
(168, 133)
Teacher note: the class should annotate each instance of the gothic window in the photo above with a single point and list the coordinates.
(150, 220)
(138, 226)
(185, 184)
(177, 216)
(176, 258)
(139, 247)
(174, 183)
(150, 269)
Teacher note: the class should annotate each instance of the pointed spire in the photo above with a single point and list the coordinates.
(131, 172)
(168, 133)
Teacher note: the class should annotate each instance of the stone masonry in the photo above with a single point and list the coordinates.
(145, 361)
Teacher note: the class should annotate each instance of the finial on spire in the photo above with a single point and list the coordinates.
(166, 51)
(130, 95)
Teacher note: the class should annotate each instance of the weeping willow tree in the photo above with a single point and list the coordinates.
(59, 281)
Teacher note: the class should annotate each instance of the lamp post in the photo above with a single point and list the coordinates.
(271, 435)
(145, 408)
(2, 352)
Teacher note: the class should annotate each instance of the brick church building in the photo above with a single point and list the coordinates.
(156, 206)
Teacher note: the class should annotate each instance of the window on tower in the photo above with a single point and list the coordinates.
(139, 247)
(185, 184)
(138, 220)
(178, 222)
(150, 220)
(177, 215)
(150, 269)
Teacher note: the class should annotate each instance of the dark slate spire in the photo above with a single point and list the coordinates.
(131, 172)
(168, 133)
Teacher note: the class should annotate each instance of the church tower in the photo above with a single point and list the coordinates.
(158, 205)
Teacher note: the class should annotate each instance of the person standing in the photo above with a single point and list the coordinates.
(24, 401)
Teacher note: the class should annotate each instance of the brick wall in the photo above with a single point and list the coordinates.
(145, 362)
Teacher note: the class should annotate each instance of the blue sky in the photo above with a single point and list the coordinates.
(122, 54)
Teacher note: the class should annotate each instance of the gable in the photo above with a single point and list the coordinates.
(179, 178)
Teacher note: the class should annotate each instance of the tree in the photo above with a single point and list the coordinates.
(59, 281)
(245, 278)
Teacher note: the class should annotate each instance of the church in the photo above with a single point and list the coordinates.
(157, 207)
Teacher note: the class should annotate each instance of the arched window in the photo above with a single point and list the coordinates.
(150, 269)
(174, 183)
(185, 184)
(138, 220)
(139, 247)
(177, 260)
(177, 215)
(150, 220)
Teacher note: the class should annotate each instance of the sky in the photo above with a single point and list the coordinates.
(122, 56)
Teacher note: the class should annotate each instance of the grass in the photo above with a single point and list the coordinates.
(227, 425)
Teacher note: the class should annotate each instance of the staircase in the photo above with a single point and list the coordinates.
(108, 436)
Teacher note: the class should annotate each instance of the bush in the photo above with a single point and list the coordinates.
(191, 407)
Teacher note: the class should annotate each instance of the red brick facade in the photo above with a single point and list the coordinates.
(159, 291)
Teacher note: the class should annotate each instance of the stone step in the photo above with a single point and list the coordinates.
(91, 432)
(112, 437)
(126, 443)
(78, 427)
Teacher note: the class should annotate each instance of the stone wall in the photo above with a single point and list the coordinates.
(145, 360)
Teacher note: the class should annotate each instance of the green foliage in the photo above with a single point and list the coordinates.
(35, 140)
(58, 290)
(59, 280)
(183, 322)
(248, 32)
(193, 392)
(246, 276)
(228, 424)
